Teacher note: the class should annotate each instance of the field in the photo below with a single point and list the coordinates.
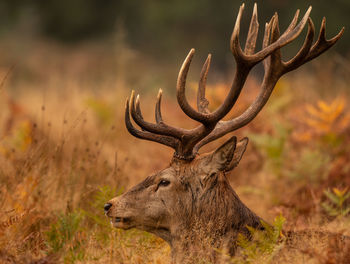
(64, 152)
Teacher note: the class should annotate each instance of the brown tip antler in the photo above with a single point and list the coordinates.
(187, 142)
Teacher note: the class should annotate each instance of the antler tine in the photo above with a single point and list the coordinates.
(294, 21)
(309, 51)
(168, 141)
(322, 44)
(160, 129)
(180, 91)
(288, 36)
(202, 102)
(275, 30)
(276, 56)
(304, 51)
(266, 41)
(138, 118)
(136, 111)
(234, 43)
(206, 118)
(275, 35)
(158, 113)
(252, 33)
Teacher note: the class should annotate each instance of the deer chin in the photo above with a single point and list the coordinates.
(122, 222)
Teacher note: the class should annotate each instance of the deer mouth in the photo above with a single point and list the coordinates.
(122, 222)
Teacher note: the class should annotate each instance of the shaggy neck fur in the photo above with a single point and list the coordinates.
(213, 218)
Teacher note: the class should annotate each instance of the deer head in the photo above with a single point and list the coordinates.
(192, 197)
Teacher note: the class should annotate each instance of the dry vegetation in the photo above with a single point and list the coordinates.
(64, 152)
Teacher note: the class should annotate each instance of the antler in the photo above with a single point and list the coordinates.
(187, 142)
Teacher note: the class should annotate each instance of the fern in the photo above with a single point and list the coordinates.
(326, 122)
(335, 206)
(263, 245)
(66, 235)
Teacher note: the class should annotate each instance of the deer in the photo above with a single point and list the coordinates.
(191, 204)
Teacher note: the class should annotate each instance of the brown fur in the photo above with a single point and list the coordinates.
(197, 212)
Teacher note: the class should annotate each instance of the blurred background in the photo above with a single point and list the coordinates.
(66, 67)
(157, 34)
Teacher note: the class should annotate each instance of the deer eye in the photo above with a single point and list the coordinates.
(163, 183)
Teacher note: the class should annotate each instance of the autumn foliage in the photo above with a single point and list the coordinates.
(64, 152)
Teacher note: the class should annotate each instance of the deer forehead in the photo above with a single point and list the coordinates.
(166, 174)
(188, 171)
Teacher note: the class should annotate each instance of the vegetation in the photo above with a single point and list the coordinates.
(64, 151)
(335, 206)
(264, 245)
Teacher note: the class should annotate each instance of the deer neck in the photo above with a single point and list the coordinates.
(215, 221)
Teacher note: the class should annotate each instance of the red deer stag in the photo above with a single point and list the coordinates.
(191, 203)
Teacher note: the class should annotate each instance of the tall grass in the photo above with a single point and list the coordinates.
(64, 152)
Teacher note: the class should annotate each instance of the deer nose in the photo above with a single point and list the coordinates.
(107, 206)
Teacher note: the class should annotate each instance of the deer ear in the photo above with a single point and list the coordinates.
(239, 151)
(221, 158)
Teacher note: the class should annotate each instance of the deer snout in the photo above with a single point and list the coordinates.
(110, 206)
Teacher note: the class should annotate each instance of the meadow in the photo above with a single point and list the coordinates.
(64, 152)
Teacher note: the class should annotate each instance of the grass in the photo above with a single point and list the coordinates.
(64, 151)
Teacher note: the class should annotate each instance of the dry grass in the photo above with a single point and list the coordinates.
(64, 151)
